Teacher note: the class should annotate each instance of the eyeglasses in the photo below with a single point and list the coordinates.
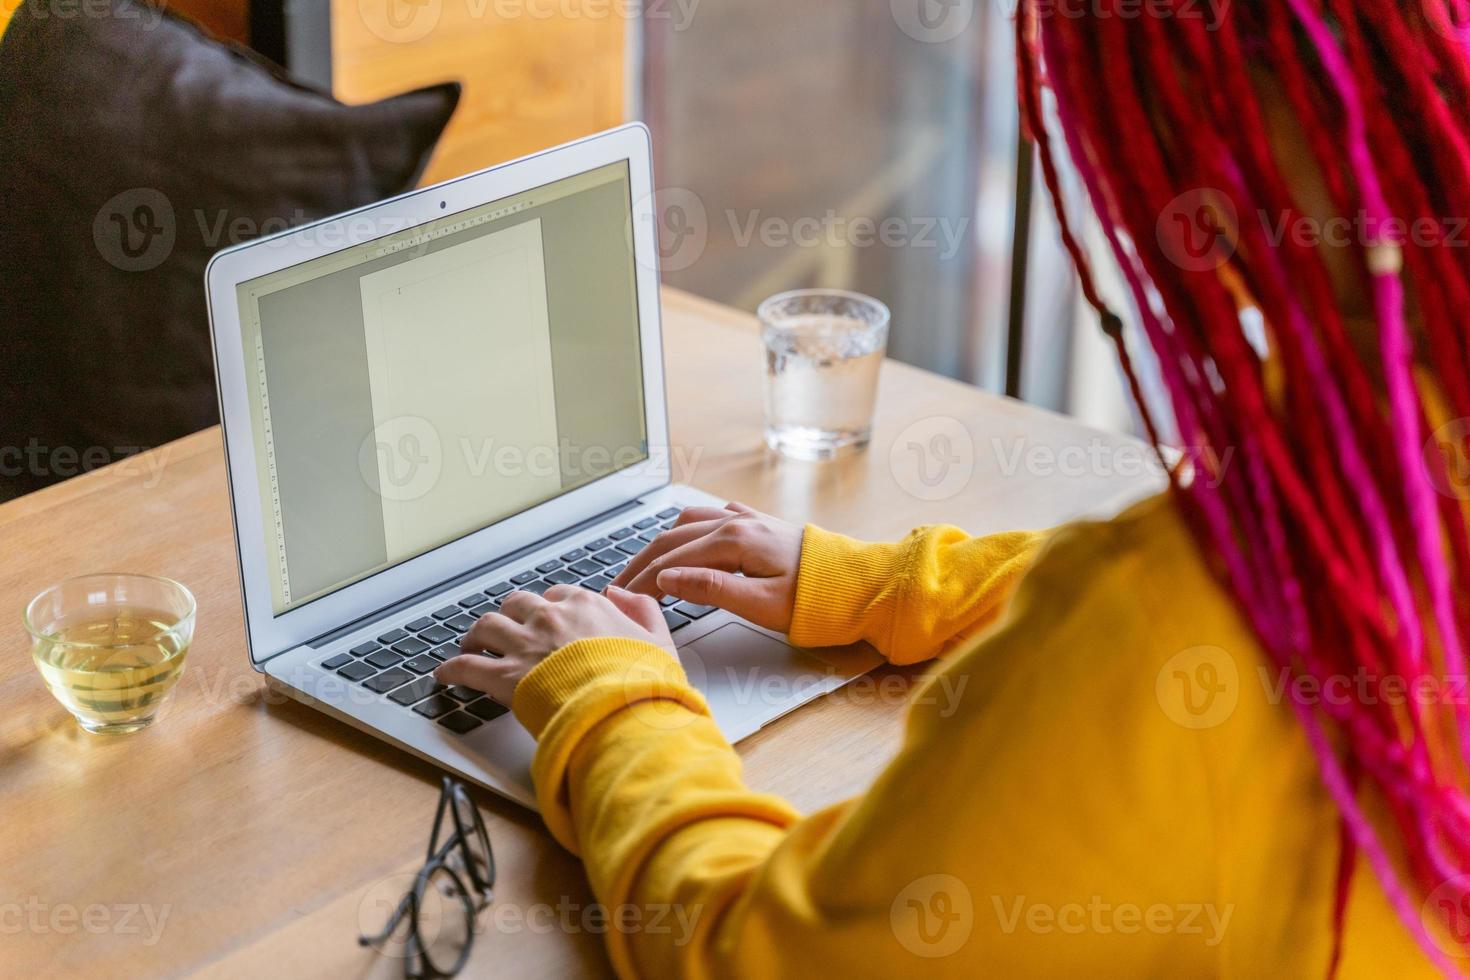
(433, 926)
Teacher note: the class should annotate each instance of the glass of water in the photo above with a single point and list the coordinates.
(823, 351)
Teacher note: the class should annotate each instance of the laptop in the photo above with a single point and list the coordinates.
(433, 401)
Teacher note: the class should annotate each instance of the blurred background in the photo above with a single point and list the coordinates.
(862, 144)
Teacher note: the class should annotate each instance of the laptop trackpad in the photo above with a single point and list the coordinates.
(749, 678)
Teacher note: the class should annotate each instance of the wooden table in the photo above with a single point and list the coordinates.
(245, 834)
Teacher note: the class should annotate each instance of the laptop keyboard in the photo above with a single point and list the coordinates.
(398, 664)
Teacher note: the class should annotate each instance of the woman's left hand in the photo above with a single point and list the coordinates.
(530, 627)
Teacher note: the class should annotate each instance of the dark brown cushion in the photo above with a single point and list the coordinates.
(132, 148)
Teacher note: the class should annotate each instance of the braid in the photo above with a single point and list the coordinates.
(1331, 486)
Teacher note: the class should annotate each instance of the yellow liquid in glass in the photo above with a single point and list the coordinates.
(114, 668)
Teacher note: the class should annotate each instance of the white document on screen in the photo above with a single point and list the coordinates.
(459, 355)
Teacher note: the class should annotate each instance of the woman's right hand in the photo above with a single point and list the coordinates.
(696, 560)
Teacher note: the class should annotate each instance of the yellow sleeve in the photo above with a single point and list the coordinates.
(913, 599)
(999, 810)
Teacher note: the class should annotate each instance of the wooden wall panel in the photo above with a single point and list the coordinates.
(228, 20)
(535, 73)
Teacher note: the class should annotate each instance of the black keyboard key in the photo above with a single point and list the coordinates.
(392, 636)
(471, 600)
(436, 706)
(632, 546)
(410, 647)
(499, 588)
(363, 649)
(667, 525)
(597, 545)
(461, 693)
(448, 612)
(422, 664)
(417, 691)
(340, 660)
(609, 557)
(357, 671)
(674, 620)
(694, 610)
(574, 555)
(616, 570)
(388, 680)
(586, 567)
(646, 523)
(446, 652)
(419, 625)
(668, 600)
(598, 582)
(460, 723)
(621, 533)
(461, 624)
(384, 658)
(564, 577)
(549, 566)
(487, 709)
(436, 634)
(667, 513)
(649, 535)
(537, 587)
(523, 578)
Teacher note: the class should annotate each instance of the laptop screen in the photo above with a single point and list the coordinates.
(413, 389)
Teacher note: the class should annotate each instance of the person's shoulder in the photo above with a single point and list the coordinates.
(1146, 555)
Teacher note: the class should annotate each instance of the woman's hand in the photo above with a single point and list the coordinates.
(698, 557)
(529, 627)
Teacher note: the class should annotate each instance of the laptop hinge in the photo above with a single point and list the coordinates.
(451, 583)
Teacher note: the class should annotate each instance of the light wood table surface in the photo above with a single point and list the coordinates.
(247, 835)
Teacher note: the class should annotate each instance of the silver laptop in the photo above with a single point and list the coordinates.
(432, 401)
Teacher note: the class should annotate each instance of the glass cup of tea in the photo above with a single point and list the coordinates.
(111, 647)
(824, 348)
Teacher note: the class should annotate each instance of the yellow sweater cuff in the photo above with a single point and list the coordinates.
(638, 671)
(846, 590)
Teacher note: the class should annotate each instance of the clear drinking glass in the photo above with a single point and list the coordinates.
(823, 351)
(111, 647)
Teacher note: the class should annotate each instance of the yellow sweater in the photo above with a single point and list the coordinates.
(1119, 790)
